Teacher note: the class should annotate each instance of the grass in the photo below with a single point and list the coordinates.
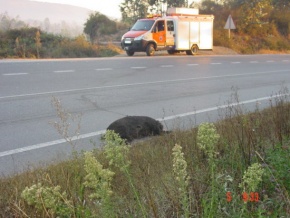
(144, 183)
(251, 43)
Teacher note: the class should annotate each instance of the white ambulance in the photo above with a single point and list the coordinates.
(182, 29)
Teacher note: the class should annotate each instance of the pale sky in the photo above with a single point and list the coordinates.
(107, 7)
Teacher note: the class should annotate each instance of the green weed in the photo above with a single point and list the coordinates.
(237, 167)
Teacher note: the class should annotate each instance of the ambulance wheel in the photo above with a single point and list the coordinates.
(150, 49)
(130, 53)
(192, 51)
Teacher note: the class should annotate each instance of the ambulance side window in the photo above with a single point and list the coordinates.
(159, 26)
(170, 26)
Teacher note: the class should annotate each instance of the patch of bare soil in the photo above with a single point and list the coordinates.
(219, 50)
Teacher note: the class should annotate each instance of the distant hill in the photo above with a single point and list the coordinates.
(56, 18)
(31, 10)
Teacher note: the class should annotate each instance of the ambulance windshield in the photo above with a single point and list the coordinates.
(142, 25)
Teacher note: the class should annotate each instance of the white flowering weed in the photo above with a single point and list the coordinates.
(207, 138)
(49, 199)
(252, 177)
(179, 165)
(180, 175)
(97, 178)
(116, 150)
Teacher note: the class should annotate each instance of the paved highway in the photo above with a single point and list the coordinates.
(173, 88)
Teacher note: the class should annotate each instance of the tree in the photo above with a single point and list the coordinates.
(98, 24)
(254, 11)
(37, 43)
(170, 3)
(177, 3)
(46, 24)
(281, 4)
(7, 23)
(157, 4)
(281, 16)
(133, 9)
(210, 7)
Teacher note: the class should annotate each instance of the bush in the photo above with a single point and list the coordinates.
(21, 43)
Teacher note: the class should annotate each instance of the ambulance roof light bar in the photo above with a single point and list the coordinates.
(153, 15)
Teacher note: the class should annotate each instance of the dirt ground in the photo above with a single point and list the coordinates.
(218, 50)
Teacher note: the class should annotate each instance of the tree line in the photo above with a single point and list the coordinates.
(262, 25)
(19, 40)
(247, 12)
(62, 28)
(31, 42)
(131, 10)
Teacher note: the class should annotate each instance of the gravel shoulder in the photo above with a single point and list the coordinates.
(219, 50)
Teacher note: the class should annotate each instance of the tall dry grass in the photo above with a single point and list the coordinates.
(150, 189)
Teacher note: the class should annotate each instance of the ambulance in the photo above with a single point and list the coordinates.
(181, 30)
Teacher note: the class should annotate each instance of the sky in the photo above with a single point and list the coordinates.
(107, 7)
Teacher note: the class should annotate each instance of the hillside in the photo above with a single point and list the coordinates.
(30, 10)
(54, 18)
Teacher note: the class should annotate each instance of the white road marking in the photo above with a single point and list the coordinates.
(14, 74)
(47, 144)
(236, 62)
(138, 67)
(270, 61)
(166, 66)
(285, 61)
(64, 71)
(215, 63)
(98, 133)
(144, 83)
(254, 62)
(221, 107)
(104, 69)
(192, 64)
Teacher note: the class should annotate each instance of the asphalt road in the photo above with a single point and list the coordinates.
(180, 90)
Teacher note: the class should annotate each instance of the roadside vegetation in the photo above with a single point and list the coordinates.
(18, 40)
(236, 167)
(33, 43)
(262, 27)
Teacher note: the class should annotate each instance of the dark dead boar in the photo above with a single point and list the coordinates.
(136, 127)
